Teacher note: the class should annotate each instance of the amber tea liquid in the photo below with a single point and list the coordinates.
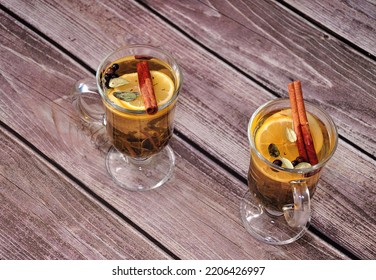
(269, 183)
(138, 134)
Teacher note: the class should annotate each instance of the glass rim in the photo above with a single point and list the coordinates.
(293, 170)
(175, 66)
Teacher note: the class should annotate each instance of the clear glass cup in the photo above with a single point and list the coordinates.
(140, 158)
(277, 207)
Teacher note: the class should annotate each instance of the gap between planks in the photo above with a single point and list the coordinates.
(215, 54)
(253, 79)
(87, 190)
(326, 29)
(118, 213)
(183, 137)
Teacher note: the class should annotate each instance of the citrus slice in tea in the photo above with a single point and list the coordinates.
(163, 88)
(273, 131)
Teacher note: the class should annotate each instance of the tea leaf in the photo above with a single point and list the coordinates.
(126, 95)
(273, 150)
(290, 134)
(117, 82)
(286, 163)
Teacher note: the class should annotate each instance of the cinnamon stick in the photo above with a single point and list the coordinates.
(307, 137)
(296, 122)
(146, 87)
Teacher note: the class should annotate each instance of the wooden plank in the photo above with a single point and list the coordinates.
(196, 215)
(275, 46)
(62, 224)
(353, 20)
(43, 215)
(341, 80)
(212, 127)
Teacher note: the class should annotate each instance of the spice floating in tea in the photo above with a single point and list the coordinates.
(286, 163)
(117, 82)
(146, 87)
(303, 165)
(127, 96)
(301, 127)
(291, 135)
(273, 150)
(296, 123)
(110, 74)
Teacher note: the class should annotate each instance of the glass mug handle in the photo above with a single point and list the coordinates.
(87, 101)
(299, 213)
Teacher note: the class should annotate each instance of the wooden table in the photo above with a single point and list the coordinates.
(57, 200)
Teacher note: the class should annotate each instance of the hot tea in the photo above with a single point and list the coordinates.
(138, 135)
(275, 140)
(290, 142)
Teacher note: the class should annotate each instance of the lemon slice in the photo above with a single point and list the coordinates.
(163, 88)
(273, 130)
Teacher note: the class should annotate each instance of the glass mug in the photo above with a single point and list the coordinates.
(140, 158)
(277, 207)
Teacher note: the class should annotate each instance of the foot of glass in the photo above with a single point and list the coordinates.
(140, 174)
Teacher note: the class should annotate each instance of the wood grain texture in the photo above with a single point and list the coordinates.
(212, 126)
(203, 84)
(354, 20)
(275, 46)
(195, 215)
(45, 216)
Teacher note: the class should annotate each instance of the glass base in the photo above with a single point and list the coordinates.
(140, 174)
(267, 226)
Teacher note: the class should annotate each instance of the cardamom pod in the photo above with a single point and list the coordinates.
(117, 82)
(291, 135)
